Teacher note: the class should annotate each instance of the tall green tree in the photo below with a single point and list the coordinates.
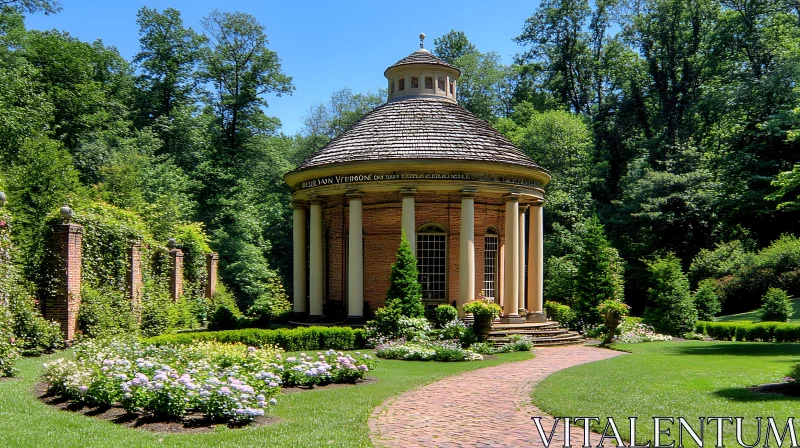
(483, 86)
(169, 55)
(242, 70)
(670, 308)
(596, 279)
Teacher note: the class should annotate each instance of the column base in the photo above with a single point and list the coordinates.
(537, 317)
(354, 320)
(315, 318)
(512, 319)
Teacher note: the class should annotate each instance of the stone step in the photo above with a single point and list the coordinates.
(565, 337)
(540, 325)
(552, 332)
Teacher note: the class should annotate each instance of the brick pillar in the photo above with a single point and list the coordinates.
(134, 279)
(176, 274)
(212, 262)
(63, 304)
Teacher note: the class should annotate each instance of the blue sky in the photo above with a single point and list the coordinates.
(323, 45)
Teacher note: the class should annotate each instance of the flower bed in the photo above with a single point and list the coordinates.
(447, 351)
(233, 382)
(639, 332)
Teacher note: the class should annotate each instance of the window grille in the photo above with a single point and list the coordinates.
(441, 82)
(490, 265)
(414, 82)
(401, 84)
(429, 82)
(432, 262)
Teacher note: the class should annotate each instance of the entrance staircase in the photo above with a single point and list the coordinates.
(544, 334)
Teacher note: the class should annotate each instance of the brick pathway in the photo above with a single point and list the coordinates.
(458, 412)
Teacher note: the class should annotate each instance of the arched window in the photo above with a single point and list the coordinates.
(432, 262)
(490, 246)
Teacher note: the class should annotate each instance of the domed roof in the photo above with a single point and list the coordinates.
(419, 127)
(421, 56)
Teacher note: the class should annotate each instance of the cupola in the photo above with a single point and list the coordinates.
(422, 74)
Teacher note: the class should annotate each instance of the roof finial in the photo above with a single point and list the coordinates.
(421, 40)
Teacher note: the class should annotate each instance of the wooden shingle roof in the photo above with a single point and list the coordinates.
(421, 56)
(419, 127)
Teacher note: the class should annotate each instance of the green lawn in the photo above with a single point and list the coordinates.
(334, 417)
(676, 379)
(752, 316)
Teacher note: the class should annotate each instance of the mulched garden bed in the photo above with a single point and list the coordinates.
(785, 388)
(190, 423)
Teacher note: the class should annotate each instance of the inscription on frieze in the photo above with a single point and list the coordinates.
(360, 178)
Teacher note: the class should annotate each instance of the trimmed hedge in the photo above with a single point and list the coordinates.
(750, 332)
(289, 339)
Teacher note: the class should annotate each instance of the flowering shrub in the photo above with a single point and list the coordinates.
(379, 331)
(447, 351)
(328, 367)
(223, 381)
(8, 349)
(640, 332)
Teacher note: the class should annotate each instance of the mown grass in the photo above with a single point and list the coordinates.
(331, 418)
(676, 379)
(752, 316)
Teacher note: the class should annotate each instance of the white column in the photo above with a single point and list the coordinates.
(536, 264)
(315, 265)
(511, 263)
(355, 263)
(299, 262)
(522, 257)
(466, 273)
(409, 218)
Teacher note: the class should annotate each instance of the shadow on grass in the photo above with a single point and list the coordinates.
(744, 394)
(741, 349)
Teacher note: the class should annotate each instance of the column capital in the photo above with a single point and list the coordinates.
(512, 197)
(300, 204)
(408, 191)
(354, 194)
(469, 192)
(315, 200)
(538, 203)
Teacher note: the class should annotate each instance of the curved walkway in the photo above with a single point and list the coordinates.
(488, 407)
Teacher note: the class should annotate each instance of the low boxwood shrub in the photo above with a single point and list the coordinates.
(750, 332)
(289, 339)
(560, 313)
(444, 314)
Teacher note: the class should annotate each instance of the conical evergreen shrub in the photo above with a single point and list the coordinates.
(405, 292)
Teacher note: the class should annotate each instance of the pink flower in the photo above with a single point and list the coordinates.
(12, 340)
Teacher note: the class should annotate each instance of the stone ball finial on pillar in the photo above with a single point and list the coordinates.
(67, 214)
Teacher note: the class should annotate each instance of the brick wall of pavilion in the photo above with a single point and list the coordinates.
(381, 227)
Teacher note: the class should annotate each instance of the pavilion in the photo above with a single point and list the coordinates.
(422, 164)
